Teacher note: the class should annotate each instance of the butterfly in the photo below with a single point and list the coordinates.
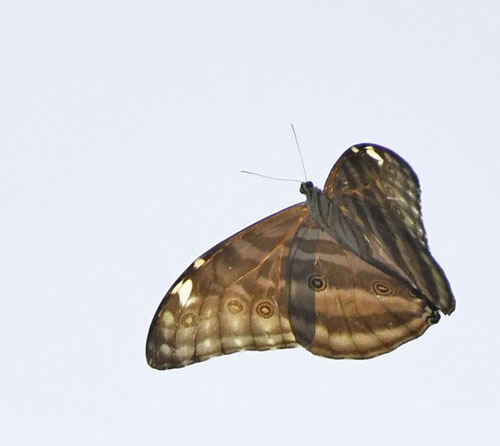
(345, 274)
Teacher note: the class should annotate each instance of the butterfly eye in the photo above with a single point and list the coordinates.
(317, 282)
(306, 186)
(382, 288)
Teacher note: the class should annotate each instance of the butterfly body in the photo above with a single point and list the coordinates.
(347, 274)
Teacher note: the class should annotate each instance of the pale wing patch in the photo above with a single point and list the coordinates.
(177, 287)
(370, 150)
(198, 262)
(168, 318)
(184, 291)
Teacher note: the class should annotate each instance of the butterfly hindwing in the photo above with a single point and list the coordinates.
(359, 311)
(231, 298)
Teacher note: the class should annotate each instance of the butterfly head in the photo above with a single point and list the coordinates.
(306, 187)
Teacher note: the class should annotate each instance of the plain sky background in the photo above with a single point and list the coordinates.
(123, 128)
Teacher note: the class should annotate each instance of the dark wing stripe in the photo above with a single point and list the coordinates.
(301, 303)
(378, 224)
(351, 176)
(347, 230)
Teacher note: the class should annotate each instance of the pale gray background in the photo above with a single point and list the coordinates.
(123, 127)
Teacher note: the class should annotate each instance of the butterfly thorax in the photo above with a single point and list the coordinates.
(321, 208)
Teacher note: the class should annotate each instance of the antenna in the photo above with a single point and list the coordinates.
(298, 148)
(284, 179)
(271, 178)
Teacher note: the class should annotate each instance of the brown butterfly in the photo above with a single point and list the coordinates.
(346, 274)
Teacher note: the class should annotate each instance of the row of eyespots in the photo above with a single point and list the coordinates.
(380, 287)
(383, 288)
(263, 309)
(316, 282)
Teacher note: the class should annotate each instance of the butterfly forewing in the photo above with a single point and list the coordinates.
(378, 196)
(389, 180)
(231, 298)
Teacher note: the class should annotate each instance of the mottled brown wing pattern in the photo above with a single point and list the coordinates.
(346, 275)
(358, 311)
(378, 196)
(231, 298)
